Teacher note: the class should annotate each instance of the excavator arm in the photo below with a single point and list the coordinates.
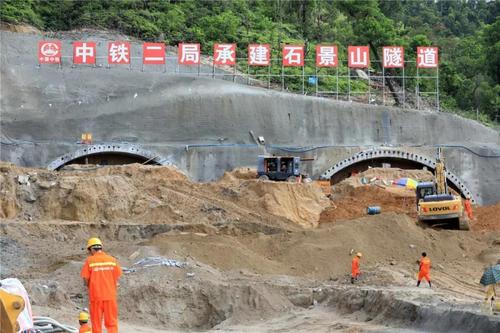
(440, 174)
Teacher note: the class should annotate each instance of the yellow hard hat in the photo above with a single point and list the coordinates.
(359, 254)
(84, 316)
(93, 241)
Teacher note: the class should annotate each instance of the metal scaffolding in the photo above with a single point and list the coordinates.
(341, 82)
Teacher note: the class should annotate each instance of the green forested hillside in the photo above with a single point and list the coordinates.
(467, 32)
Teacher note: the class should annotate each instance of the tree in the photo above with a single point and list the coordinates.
(20, 11)
(372, 28)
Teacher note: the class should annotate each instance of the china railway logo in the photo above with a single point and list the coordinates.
(49, 52)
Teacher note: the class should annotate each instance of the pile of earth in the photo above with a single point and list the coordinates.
(252, 247)
(153, 195)
(486, 217)
(383, 177)
(354, 203)
(373, 187)
(234, 277)
(351, 197)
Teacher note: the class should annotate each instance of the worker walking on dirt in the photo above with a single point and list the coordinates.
(83, 319)
(100, 274)
(425, 269)
(468, 208)
(355, 271)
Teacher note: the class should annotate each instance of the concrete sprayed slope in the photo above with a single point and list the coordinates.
(57, 104)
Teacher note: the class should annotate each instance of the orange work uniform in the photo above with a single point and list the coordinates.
(355, 267)
(425, 269)
(85, 328)
(468, 208)
(102, 273)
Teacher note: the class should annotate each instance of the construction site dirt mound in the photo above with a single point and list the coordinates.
(301, 203)
(153, 195)
(253, 250)
(421, 175)
(383, 178)
(486, 217)
(239, 174)
(234, 278)
(354, 201)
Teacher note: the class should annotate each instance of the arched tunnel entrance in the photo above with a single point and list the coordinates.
(109, 154)
(393, 158)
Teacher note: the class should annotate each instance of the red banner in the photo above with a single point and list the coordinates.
(224, 54)
(84, 53)
(427, 57)
(259, 54)
(118, 53)
(358, 56)
(49, 52)
(393, 57)
(153, 53)
(293, 55)
(326, 56)
(189, 54)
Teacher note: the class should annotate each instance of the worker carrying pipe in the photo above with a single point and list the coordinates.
(424, 269)
(100, 274)
(355, 271)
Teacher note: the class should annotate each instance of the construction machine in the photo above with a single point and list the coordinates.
(10, 308)
(280, 168)
(436, 205)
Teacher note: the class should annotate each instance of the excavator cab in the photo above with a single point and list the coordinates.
(425, 189)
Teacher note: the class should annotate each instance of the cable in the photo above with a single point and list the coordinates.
(16, 142)
(307, 149)
(49, 325)
(470, 150)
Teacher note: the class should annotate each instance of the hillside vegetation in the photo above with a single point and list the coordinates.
(467, 32)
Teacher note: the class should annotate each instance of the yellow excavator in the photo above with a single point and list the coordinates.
(436, 205)
(10, 308)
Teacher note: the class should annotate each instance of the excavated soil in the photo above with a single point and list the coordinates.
(373, 187)
(354, 203)
(260, 256)
(153, 195)
(486, 217)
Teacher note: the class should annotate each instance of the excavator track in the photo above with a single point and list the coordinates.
(463, 224)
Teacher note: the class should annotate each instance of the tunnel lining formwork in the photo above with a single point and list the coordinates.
(397, 158)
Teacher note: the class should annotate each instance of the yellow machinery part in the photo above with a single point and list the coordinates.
(10, 308)
(440, 178)
(445, 207)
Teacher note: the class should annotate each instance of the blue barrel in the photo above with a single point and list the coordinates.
(372, 210)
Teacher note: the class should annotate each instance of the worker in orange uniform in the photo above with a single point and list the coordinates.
(468, 207)
(100, 274)
(355, 272)
(425, 269)
(83, 319)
